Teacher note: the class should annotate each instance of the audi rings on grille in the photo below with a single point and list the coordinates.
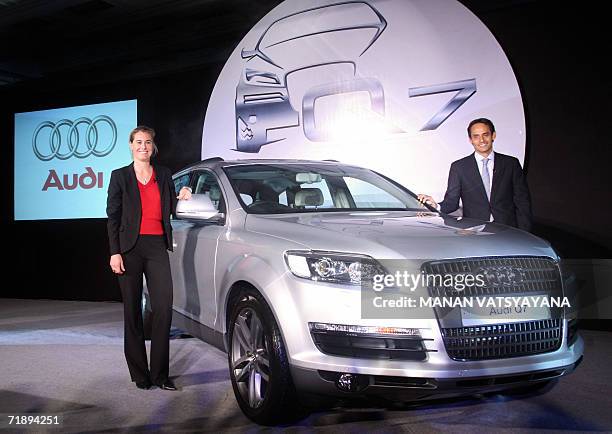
(92, 138)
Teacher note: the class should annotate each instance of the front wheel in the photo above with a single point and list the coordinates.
(259, 368)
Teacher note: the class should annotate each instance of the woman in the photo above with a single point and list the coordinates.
(141, 198)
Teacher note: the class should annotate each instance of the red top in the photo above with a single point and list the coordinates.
(151, 223)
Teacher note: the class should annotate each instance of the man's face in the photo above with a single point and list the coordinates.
(482, 138)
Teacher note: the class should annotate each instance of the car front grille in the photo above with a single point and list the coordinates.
(503, 275)
(498, 341)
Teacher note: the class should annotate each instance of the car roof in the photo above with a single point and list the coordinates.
(216, 162)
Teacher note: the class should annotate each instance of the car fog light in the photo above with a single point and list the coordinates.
(351, 382)
(346, 382)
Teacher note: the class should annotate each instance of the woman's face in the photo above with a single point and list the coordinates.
(142, 146)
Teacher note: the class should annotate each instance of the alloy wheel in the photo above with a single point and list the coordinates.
(250, 359)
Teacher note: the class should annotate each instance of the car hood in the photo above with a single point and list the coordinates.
(399, 235)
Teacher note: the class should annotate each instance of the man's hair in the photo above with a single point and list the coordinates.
(485, 121)
(148, 130)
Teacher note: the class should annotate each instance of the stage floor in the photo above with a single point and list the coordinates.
(66, 358)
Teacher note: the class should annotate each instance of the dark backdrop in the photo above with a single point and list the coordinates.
(558, 52)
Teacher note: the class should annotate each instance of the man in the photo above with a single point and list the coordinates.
(491, 186)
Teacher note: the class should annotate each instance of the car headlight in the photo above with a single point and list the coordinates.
(342, 268)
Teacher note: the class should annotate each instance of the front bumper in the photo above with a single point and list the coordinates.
(393, 388)
(302, 302)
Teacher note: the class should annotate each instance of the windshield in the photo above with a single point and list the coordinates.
(290, 188)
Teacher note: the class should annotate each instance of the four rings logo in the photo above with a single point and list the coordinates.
(66, 131)
(65, 140)
(504, 275)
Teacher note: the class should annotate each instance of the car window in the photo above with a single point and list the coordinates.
(269, 188)
(181, 182)
(324, 189)
(367, 195)
(205, 182)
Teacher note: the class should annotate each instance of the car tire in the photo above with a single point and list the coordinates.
(258, 363)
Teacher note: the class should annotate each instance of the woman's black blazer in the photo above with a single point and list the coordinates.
(124, 208)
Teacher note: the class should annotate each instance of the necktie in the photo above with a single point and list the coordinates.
(485, 178)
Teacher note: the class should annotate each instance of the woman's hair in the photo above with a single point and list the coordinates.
(148, 130)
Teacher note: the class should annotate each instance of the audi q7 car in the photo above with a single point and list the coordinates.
(276, 263)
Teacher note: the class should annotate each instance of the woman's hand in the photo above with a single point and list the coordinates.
(116, 263)
(184, 194)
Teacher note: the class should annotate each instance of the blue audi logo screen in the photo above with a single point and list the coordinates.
(64, 158)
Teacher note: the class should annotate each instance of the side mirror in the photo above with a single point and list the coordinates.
(199, 207)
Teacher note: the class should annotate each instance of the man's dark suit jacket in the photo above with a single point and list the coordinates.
(124, 208)
(510, 202)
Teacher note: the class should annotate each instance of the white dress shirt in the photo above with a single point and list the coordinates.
(490, 166)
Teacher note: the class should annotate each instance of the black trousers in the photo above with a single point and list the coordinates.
(149, 256)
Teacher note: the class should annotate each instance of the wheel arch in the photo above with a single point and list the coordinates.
(233, 295)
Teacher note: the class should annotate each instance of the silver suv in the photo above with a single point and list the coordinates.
(274, 261)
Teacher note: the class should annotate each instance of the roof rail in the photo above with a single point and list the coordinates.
(212, 160)
(197, 163)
